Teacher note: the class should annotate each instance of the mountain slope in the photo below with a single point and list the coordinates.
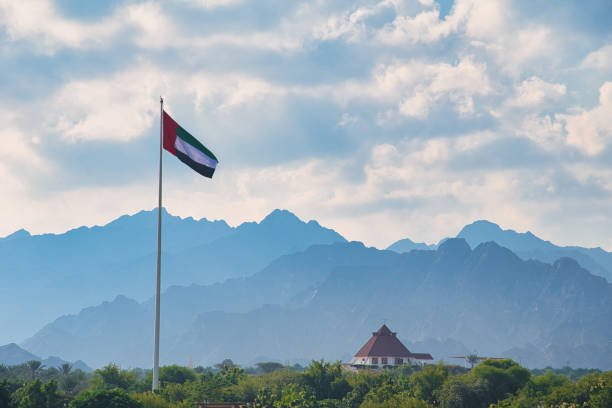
(250, 248)
(50, 274)
(11, 354)
(526, 245)
(61, 273)
(488, 299)
(288, 280)
(324, 301)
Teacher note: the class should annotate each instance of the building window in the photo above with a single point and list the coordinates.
(384, 360)
(374, 360)
(399, 361)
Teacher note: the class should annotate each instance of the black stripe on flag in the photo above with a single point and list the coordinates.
(200, 168)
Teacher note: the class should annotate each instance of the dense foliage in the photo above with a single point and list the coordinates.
(492, 383)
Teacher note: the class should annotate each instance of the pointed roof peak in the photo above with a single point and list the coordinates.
(383, 343)
(383, 331)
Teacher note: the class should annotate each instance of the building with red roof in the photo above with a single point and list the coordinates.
(385, 349)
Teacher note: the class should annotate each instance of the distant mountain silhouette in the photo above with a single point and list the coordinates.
(407, 245)
(324, 302)
(11, 354)
(526, 245)
(62, 273)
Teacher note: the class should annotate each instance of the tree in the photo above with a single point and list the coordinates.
(503, 377)
(326, 380)
(593, 390)
(34, 366)
(176, 374)
(463, 392)
(5, 394)
(361, 384)
(73, 382)
(111, 376)
(295, 396)
(65, 369)
(472, 359)
(426, 383)
(37, 394)
(115, 398)
(264, 398)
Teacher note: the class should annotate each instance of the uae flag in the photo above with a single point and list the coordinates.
(187, 148)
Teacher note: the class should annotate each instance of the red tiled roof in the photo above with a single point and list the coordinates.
(384, 343)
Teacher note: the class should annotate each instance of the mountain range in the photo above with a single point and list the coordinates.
(324, 301)
(288, 290)
(525, 245)
(63, 273)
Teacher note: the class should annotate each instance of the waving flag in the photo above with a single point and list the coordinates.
(187, 148)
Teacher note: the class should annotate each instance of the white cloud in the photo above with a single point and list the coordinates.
(118, 108)
(389, 67)
(351, 25)
(600, 59)
(39, 22)
(534, 92)
(212, 4)
(147, 25)
(486, 19)
(591, 130)
(413, 88)
(417, 87)
(123, 107)
(425, 27)
(546, 131)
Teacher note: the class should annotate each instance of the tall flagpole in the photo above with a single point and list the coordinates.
(155, 385)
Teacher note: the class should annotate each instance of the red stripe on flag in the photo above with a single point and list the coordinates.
(169, 133)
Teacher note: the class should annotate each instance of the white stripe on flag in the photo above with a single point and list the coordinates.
(194, 154)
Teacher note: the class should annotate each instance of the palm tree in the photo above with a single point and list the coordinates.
(65, 369)
(34, 366)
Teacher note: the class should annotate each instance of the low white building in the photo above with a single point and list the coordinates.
(384, 349)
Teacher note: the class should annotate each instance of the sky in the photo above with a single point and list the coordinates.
(380, 119)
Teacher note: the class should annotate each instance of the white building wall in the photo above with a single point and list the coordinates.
(369, 361)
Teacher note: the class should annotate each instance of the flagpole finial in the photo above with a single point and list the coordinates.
(161, 100)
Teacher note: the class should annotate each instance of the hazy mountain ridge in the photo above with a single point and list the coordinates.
(525, 244)
(407, 245)
(86, 266)
(11, 354)
(330, 297)
(279, 283)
